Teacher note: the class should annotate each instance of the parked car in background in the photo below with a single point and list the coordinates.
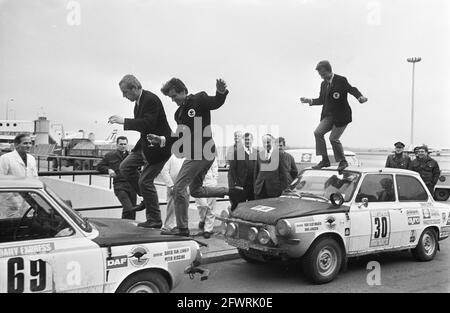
(442, 188)
(307, 157)
(326, 217)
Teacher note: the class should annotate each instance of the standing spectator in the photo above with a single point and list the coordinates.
(206, 206)
(241, 173)
(149, 117)
(231, 151)
(193, 118)
(427, 167)
(271, 174)
(19, 162)
(399, 159)
(169, 175)
(122, 189)
(288, 159)
(336, 113)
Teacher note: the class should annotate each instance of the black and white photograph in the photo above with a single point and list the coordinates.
(228, 152)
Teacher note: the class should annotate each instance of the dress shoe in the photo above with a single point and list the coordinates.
(201, 225)
(139, 207)
(149, 224)
(177, 232)
(342, 165)
(321, 164)
(207, 234)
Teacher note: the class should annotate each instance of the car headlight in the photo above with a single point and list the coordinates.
(442, 178)
(263, 237)
(231, 230)
(283, 227)
(252, 234)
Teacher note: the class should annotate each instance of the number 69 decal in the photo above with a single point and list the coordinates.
(381, 229)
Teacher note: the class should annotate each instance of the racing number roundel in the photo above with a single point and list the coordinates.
(191, 113)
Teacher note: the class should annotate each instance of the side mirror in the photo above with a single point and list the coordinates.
(365, 203)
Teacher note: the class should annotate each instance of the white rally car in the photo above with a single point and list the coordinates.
(326, 217)
(45, 246)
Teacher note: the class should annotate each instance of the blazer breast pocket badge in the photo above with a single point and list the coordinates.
(191, 113)
(336, 95)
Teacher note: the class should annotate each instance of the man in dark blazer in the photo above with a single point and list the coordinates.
(193, 141)
(149, 117)
(241, 172)
(271, 174)
(122, 189)
(336, 113)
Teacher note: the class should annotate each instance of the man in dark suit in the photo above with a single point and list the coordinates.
(288, 159)
(271, 174)
(336, 113)
(193, 140)
(149, 117)
(122, 189)
(241, 172)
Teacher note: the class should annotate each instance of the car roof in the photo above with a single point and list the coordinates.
(9, 181)
(329, 151)
(377, 170)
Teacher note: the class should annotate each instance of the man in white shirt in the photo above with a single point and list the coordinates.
(169, 175)
(19, 162)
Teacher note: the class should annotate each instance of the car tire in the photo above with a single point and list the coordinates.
(245, 255)
(441, 194)
(323, 261)
(145, 282)
(426, 247)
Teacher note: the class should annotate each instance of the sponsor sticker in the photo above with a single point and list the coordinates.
(117, 262)
(262, 208)
(347, 232)
(433, 221)
(330, 222)
(413, 220)
(412, 212)
(191, 113)
(426, 213)
(139, 256)
(444, 216)
(412, 236)
(26, 250)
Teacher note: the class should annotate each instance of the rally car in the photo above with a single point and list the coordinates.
(46, 246)
(326, 217)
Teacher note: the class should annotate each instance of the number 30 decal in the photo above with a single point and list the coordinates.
(381, 229)
(17, 274)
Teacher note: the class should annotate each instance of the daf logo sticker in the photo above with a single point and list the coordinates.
(191, 113)
(336, 95)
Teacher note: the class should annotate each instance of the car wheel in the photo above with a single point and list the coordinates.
(145, 282)
(323, 261)
(427, 246)
(246, 256)
(441, 194)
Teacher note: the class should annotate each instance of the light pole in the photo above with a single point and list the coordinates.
(413, 60)
(7, 107)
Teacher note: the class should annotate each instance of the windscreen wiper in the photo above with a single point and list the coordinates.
(311, 195)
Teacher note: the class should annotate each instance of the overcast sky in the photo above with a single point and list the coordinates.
(67, 66)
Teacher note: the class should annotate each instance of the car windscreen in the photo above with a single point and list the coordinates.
(325, 183)
(74, 215)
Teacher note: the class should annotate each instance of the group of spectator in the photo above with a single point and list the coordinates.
(427, 167)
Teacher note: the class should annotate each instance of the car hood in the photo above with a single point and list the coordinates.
(118, 232)
(269, 211)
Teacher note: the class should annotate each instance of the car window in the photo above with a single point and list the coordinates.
(377, 188)
(25, 215)
(410, 189)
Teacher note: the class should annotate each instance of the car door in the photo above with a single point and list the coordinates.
(374, 223)
(41, 250)
(415, 203)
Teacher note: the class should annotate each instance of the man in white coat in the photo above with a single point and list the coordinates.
(21, 164)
